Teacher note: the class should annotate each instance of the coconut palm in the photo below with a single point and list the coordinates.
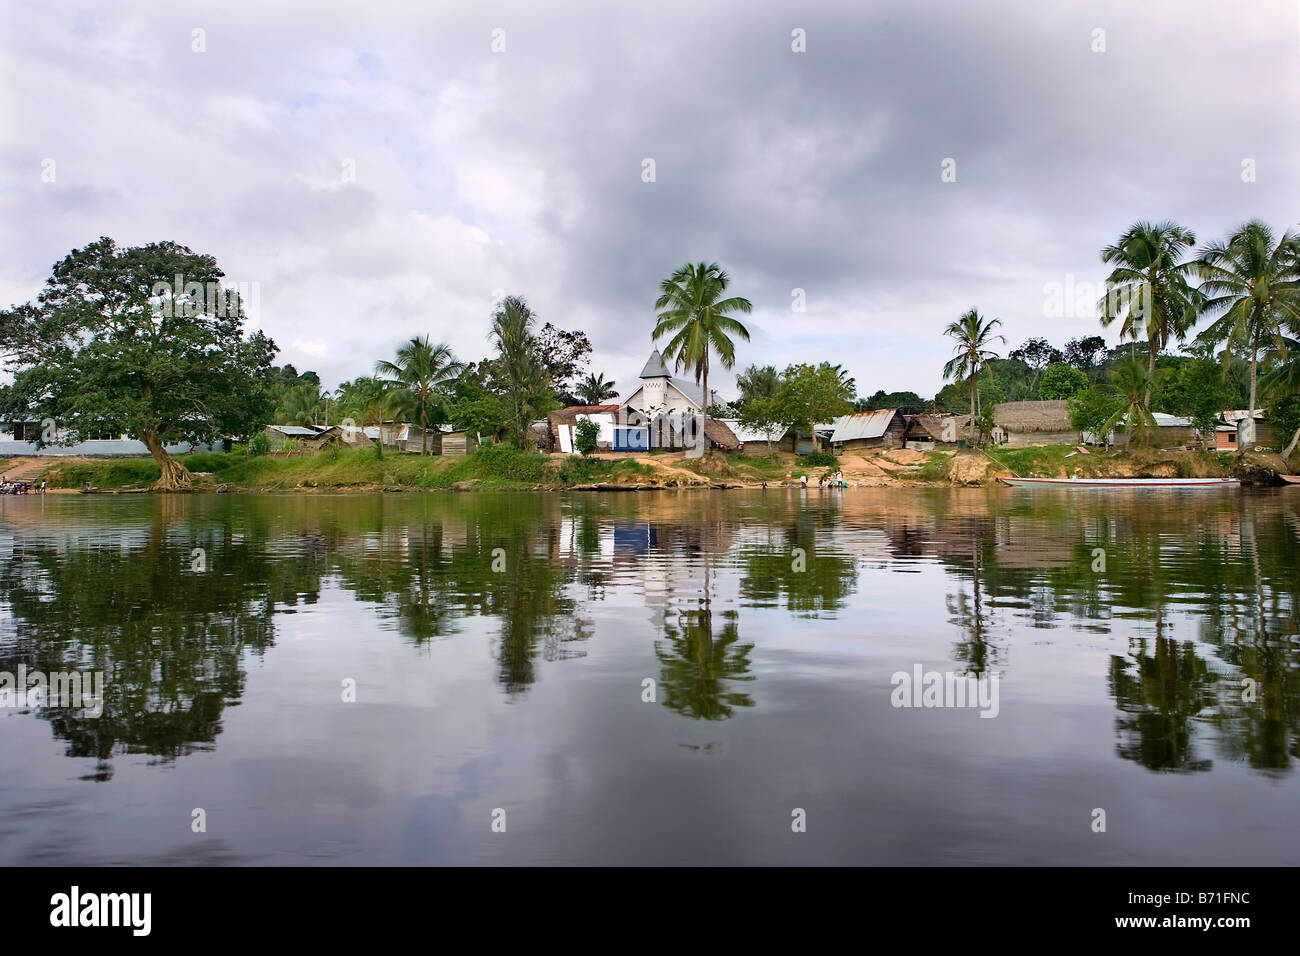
(701, 320)
(1148, 289)
(758, 383)
(973, 335)
(420, 378)
(1252, 283)
(527, 382)
(593, 389)
(1131, 380)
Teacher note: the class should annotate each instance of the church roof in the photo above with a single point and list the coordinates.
(655, 367)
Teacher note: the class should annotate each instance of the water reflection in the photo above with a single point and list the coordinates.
(1201, 591)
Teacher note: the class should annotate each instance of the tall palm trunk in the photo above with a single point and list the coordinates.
(970, 429)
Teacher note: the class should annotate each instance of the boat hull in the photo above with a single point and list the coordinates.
(1122, 482)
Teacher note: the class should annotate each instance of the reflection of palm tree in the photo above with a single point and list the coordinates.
(1158, 703)
(699, 667)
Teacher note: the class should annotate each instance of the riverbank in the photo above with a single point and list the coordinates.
(504, 468)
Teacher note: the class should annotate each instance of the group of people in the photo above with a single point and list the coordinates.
(833, 480)
(8, 487)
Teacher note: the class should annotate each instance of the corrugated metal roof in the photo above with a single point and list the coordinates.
(1234, 415)
(296, 431)
(1171, 421)
(747, 435)
(863, 424)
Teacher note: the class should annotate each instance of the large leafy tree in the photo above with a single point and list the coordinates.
(420, 379)
(594, 389)
(522, 372)
(1251, 283)
(112, 345)
(973, 335)
(1148, 289)
(699, 318)
(564, 354)
(810, 395)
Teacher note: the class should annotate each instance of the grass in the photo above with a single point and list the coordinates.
(492, 466)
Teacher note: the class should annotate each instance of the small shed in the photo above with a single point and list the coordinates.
(459, 443)
(1019, 424)
(754, 441)
(882, 428)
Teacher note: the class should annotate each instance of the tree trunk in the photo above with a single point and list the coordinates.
(705, 436)
(174, 476)
(424, 430)
(1291, 447)
(1151, 371)
(971, 428)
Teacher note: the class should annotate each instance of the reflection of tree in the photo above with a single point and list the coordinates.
(700, 668)
(967, 611)
(1158, 695)
(169, 640)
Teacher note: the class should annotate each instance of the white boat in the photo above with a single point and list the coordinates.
(1122, 482)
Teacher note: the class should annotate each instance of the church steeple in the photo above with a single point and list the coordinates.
(654, 367)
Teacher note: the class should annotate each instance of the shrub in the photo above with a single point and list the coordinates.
(259, 444)
(587, 434)
(820, 459)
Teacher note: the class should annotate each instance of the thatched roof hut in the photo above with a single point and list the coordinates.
(719, 435)
(1049, 416)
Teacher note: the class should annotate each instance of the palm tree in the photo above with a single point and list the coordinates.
(700, 320)
(973, 335)
(421, 375)
(1148, 288)
(1253, 284)
(527, 381)
(758, 383)
(1132, 381)
(299, 405)
(594, 389)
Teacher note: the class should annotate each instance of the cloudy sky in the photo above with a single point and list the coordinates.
(383, 170)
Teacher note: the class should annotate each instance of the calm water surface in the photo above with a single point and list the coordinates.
(502, 647)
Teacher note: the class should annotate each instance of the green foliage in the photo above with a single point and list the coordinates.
(1091, 408)
(819, 459)
(760, 413)
(285, 446)
(757, 383)
(418, 382)
(699, 319)
(576, 470)
(909, 403)
(527, 383)
(594, 390)
(259, 444)
(587, 433)
(111, 345)
(1061, 381)
(812, 394)
(562, 355)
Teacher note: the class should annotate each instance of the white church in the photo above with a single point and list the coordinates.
(661, 393)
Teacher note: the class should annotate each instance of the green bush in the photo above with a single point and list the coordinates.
(259, 444)
(588, 433)
(820, 459)
(505, 463)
